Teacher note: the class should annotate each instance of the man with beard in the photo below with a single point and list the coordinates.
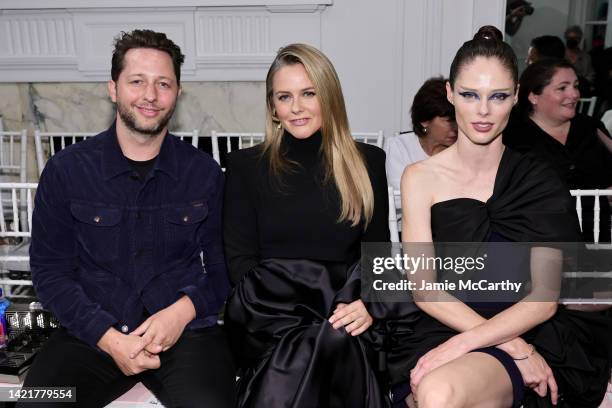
(127, 249)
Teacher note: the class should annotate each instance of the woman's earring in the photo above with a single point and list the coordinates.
(424, 129)
(275, 119)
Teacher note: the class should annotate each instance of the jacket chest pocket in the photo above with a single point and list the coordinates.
(97, 230)
(182, 228)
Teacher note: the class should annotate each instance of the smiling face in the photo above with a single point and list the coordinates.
(146, 92)
(296, 104)
(558, 99)
(483, 96)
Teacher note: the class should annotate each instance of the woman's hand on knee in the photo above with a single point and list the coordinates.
(444, 353)
(538, 375)
(354, 317)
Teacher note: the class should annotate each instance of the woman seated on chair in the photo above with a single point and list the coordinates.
(577, 146)
(434, 129)
(468, 354)
(296, 210)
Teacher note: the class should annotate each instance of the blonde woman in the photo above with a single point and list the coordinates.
(296, 210)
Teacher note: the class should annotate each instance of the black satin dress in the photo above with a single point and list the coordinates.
(529, 204)
(289, 353)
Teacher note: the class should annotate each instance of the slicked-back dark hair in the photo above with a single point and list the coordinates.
(487, 42)
(145, 39)
(429, 102)
(536, 77)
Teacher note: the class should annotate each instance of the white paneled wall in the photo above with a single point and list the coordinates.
(382, 50)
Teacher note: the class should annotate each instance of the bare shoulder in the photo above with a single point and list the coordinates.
(417, 191)
(421, 176)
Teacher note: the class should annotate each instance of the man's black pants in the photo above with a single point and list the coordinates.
(198, 371)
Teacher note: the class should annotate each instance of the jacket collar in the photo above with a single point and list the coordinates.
(115, 163)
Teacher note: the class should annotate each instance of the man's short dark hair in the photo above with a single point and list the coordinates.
(145, 39)
(549, 46)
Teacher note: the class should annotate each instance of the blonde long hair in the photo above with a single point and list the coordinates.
(342, 159)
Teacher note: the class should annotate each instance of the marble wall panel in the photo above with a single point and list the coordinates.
(85, 107)
(14, 106)
(82, 107)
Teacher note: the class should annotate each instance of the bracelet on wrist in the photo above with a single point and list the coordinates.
(531, 351)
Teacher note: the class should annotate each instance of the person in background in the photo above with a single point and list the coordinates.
(577, 146)
(297, 209)
(580, 59)
(516, 10)
(546, 46)
(127, 249)
(434, 129)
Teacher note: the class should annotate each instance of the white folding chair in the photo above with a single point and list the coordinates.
(234, 141)
(14, 225)
(394, 214)
(48, 143)
(587, 105)
(607, 120)
(605, 273)
(373, 138)
(194, 136)
(596, 208)
(13, 161)
(13, 154)
(10, 223)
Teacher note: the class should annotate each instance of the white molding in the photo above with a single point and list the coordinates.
(294, 8)
(220, 43)
(37, 36)
(432, 37)
(85, 4)
(400, 66)
(95, 32)
(222, 33)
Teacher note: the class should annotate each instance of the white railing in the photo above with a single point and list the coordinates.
(373, 138)
(596, 208)
(587, 105)
(241, 140)
(13, 153)
(49, 143)
(17, 195)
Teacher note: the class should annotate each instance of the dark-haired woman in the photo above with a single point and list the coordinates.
(434, 129)
(468, 354)
(296, 211)
(577, 146)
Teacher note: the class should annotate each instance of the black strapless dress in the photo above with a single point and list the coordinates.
(529, 204)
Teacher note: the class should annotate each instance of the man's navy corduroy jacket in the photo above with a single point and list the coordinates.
(108, 248)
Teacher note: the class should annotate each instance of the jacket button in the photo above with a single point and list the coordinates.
(97, 219)
(124, 328)
(186, 218)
